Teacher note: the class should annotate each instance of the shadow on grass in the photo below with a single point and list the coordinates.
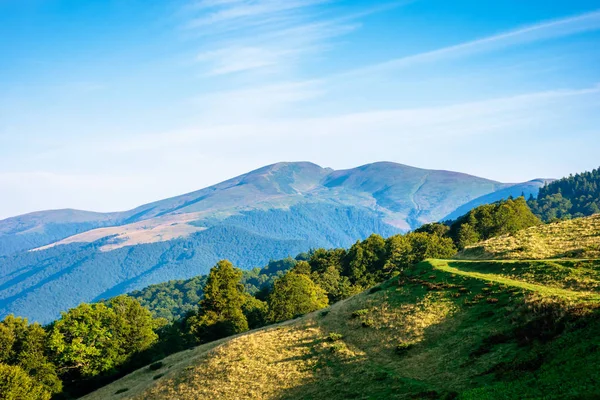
(490, 332)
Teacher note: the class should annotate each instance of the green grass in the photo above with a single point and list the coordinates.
(442, 330)
(454, 267)
(576, 238)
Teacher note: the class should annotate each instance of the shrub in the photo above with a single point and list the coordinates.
(324, 313)
(121, 390)
(156, 366)
(337, 347)
(360, 313)
(367, 323)
(402, 348)
(334, 337)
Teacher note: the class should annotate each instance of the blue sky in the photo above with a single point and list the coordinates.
(105, 105)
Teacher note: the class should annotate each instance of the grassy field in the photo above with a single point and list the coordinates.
(443, 330)
(576, 238)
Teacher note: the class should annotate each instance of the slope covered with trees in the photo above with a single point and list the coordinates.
(484, 222)
(571, 197)
(93, 344)
(173, 299)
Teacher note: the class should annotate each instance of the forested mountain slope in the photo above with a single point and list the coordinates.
(270, 213)
(405, 196)
(571, 197)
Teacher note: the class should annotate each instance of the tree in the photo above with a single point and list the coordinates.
(133, 326)
(220, 312)
(95, 338)
(467, 235)
(434, 228)
(406, 250)
(293, 295)
(16, 384)
(573, 196)
(255, 311)
(24, 345)
(489, 220)
(366, 260)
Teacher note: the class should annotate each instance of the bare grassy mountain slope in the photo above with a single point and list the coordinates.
(578, 237)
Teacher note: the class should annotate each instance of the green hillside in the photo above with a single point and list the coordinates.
(443, 329)
(579, 238)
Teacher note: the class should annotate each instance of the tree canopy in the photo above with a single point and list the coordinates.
(221, 312)
(571, 197)
(486, 221)
(295, 294)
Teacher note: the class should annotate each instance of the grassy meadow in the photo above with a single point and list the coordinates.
(443, 330)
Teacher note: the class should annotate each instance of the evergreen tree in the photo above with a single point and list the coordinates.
(221, 312)
(574, 196)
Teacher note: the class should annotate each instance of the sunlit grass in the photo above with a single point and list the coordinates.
(446, 328)
(576, 238)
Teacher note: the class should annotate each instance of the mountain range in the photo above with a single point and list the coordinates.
(53, 260)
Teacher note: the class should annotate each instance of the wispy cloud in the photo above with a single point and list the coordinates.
(267, 35)
(537, 32)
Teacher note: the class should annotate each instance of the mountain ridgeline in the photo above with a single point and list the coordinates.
(51, 261)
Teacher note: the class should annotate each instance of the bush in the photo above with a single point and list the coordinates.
(367, 323)
(121, 390)
(337, 347)
(360, 313)
(403, 348)
(156, 366)
(324, 313)
(334, 337)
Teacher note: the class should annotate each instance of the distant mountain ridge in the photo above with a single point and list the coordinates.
(269, 213)
(407, 196)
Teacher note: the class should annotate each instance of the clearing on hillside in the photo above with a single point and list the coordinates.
(575, 238)
(442, 330)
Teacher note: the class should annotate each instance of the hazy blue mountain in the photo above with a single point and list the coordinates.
(270, 213)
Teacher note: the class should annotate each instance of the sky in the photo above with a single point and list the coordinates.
(109, 104)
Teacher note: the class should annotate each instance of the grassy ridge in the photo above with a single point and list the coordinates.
(576, 238)
(445, 329)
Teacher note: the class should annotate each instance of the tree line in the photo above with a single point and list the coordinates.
(571, 197)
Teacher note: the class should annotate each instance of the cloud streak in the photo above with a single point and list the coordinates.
(533, 33)
(268, 35)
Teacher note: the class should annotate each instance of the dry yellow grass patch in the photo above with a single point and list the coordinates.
(255, 366)
(578, 237)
